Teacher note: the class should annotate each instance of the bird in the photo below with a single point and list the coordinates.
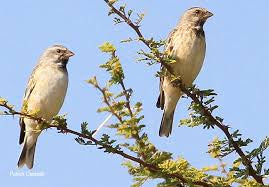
(186, 44)
(44, 97)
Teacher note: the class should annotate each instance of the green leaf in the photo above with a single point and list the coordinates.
(107, 48)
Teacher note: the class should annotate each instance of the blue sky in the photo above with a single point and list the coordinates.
(235, 66)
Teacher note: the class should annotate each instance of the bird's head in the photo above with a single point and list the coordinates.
(57, 54)
(196, 16)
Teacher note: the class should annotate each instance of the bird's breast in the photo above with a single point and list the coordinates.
(49, 92)
(189, 52)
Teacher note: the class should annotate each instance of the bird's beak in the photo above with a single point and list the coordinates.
(69, 53)
(208, 15)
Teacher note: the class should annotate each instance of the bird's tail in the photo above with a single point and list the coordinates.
(28, 153)
(166, 124)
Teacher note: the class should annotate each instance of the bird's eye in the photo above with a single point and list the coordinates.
(197, 11)
(58, 51)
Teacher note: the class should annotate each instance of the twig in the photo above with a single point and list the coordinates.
(106, 101)
(138, 32)
(12, 112)
(137, 160)
(108, 104)
(126, 94)
(127, 97)
(225, 129)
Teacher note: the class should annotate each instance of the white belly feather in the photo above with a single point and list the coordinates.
(189, 53)
(48, 94)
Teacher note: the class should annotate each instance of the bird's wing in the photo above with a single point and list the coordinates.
(168, 50)
(169, 41)
(30, 87)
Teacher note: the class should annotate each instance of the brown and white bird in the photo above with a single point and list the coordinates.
(186, 44)
(43, 97)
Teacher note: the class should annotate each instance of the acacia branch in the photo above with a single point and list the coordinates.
(64, 129)
(107, 103)
(136, 136)
(12, 112)
(138, 32)
(225, 129)
(125, 92)
(151, 167)
(127, 97)
(247, 162)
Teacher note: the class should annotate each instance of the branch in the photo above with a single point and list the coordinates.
(207, 113)
(108, 104)
(127, 97)
(106, 101)
(151, 167)
(125, 92)
(138, 32)
(225, 129)
(64, 129)
(12, 112)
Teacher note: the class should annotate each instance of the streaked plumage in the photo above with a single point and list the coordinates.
(186, 43)
(44, 97)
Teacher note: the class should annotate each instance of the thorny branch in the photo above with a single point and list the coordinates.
(138, 32)
(207, 113)
(64, 129)
(12, 112)
(125, 92)
(225, 129)
(127, 97)
(108, 104)
(106, 101)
